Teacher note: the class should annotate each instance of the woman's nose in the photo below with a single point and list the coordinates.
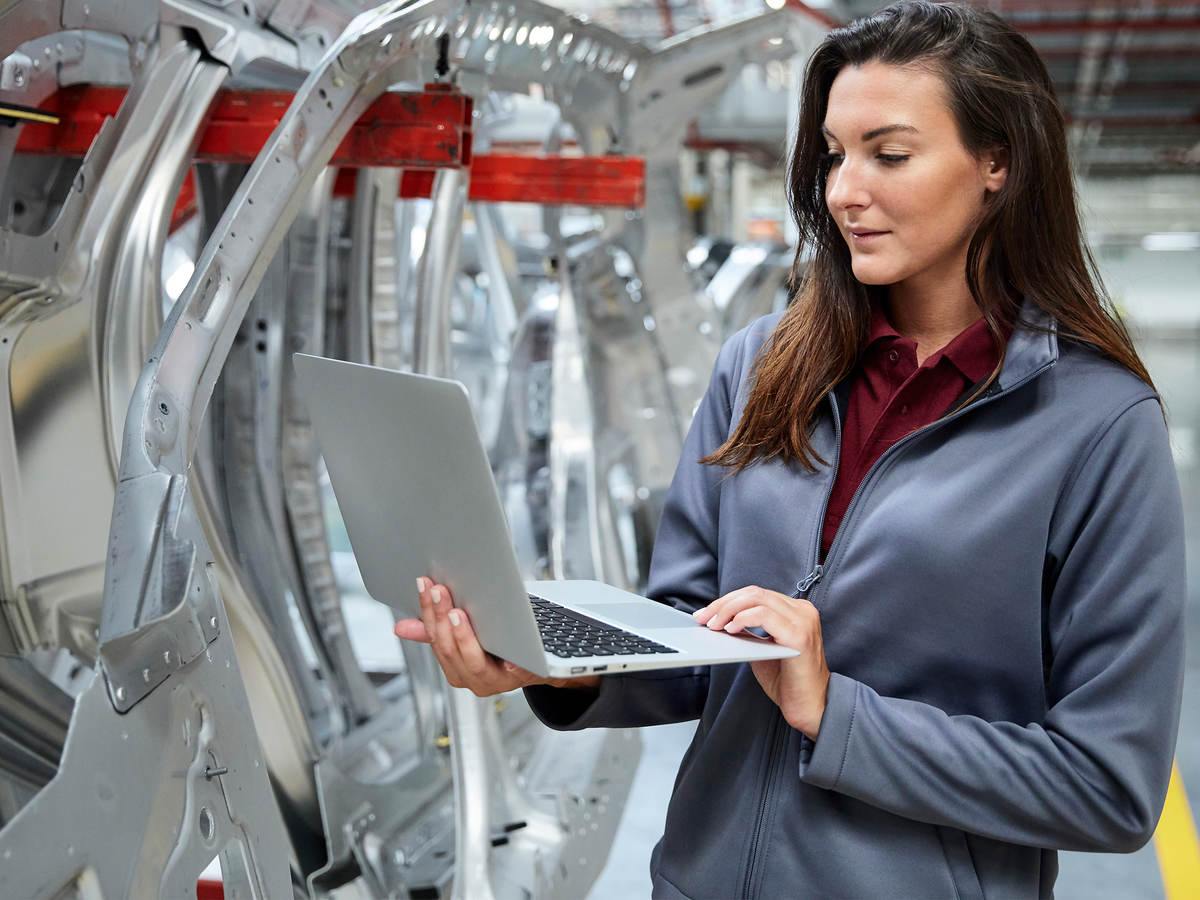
(845, 189)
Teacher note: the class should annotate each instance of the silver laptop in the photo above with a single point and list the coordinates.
(415, 489)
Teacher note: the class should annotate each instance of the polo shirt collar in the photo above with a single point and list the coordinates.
(972, 351)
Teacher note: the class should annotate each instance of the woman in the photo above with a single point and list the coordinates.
(943, 474)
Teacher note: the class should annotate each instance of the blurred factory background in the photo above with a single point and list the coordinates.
(597, 182)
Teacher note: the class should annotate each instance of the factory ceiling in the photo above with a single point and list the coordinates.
(1127, 71)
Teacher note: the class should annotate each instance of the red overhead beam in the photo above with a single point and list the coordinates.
(430, 128)
(580, 181)
(414, 129)
(81, 110)
(549, 180)
(418, 132)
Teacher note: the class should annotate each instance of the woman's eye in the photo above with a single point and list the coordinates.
(830, 159)
(891, 158)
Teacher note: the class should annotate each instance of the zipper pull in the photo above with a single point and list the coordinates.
(802, 587)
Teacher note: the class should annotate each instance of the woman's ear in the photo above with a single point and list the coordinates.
(995, 169)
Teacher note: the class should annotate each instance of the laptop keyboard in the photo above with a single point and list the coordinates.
(567, 633)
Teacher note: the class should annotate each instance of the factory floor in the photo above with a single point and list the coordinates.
(1168, 868)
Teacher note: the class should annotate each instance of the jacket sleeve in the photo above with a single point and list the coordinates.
(1093, 774)
(683, 572)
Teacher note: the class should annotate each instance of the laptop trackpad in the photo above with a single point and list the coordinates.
(640, 615)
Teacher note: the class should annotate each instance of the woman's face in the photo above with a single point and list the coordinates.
(903, 190)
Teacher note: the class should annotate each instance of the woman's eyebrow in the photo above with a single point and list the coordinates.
(886, 129)
(875, 132)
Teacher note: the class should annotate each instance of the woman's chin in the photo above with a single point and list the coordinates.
(873, 274)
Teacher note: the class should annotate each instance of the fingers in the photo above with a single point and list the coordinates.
(423, 585)
(781, 628)
(787, 619)
(463, 660)
(435, 605)
(718, 613)
(711, 615)
(412, 630)
(478, 666)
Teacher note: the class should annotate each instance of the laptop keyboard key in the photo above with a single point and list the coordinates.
(569, 634)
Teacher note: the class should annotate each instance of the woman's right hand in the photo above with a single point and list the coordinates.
(463, 660)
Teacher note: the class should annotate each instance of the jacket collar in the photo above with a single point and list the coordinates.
(1032, 347)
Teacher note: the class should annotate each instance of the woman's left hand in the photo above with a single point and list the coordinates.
(797, 685)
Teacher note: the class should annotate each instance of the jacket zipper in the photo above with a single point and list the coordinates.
(839, 537)
(818, 571)
(763, 805)
(802, 587)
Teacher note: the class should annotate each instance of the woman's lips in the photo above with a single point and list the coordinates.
(865, 238)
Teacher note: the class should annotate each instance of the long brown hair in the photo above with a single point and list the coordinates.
(1028, 242)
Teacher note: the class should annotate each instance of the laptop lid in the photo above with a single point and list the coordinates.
(416, 492)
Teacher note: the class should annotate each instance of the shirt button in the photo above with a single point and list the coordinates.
(893, 357)
(904, 410)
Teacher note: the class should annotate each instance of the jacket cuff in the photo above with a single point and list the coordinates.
(563, 709)
(822, 766)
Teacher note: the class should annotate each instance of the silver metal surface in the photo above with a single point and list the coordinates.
(464, 712)
(68, 341)
(75, 839)
(174, 464)
(435, 277)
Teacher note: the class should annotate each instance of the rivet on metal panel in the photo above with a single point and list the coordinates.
(120, 695)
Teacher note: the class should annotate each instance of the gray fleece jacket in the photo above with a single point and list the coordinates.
(1002, 612)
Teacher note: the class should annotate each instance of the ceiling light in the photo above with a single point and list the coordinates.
(1172, 240)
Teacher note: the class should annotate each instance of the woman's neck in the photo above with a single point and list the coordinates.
(932, 318)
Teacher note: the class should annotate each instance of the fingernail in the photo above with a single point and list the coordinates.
(455, 618)
(420, 585)
(436, 594)
(696, 614)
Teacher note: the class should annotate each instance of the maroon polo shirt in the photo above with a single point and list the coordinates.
(891, 397)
